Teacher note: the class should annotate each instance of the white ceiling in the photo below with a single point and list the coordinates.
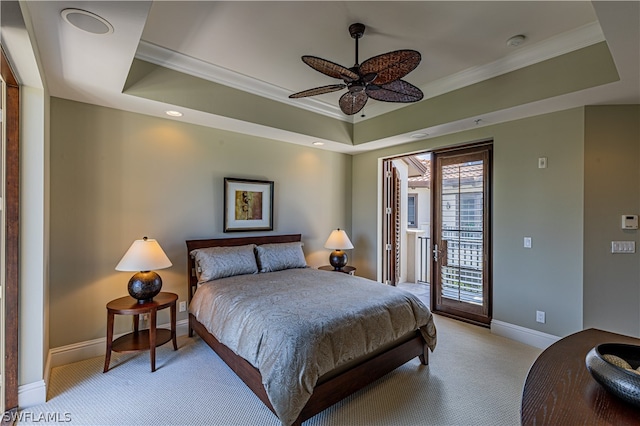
(256, 46)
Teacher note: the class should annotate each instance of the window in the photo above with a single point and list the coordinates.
(412, 211)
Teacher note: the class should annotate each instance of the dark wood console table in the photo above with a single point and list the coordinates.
(559, 389)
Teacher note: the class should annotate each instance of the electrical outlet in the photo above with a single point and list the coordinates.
(143, 321)
(182, 307)
(542, 162)
(540, 317)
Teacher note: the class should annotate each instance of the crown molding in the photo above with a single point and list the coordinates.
(561, 44)
(177, 61)
(570, 41)
(525, 56)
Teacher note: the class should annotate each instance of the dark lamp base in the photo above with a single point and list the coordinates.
(338, 259)
(144, 286)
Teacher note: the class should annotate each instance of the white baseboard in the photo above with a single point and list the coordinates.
(524, 335)
(36, 393)
(92, 348)
(32, 394)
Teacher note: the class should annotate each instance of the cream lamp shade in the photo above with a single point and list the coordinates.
(144, 256)
(338, 241)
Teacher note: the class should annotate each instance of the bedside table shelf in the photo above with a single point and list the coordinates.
(135, 342)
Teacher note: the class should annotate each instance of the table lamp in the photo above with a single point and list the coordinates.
(144, 256)
(338, 241)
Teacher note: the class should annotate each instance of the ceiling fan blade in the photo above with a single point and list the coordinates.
(329, 68)
(352, 102)
(318, 91)
(391, 66)
(396, 91)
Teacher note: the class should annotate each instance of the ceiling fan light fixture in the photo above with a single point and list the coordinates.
(356, 87)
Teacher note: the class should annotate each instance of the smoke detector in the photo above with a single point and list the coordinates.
(516, 40)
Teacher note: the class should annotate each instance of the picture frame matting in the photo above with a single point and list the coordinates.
(248, 205)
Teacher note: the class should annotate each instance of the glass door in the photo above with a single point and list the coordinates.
(461, 251)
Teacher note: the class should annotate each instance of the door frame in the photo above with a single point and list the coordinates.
(395, 213)
(483, 319)
(11, 231)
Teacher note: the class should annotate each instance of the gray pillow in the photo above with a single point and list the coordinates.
(213, 263)
(279, 256)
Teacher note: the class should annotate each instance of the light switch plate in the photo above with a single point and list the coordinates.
(623, 246)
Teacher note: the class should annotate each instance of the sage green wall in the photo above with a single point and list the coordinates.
(545, 204)
(612, 188)
(118, 176)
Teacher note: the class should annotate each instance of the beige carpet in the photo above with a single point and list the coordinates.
(474, 378)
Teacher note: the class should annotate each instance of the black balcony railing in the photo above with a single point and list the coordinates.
(462, 271)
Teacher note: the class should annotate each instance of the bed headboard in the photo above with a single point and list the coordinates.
(192, 280)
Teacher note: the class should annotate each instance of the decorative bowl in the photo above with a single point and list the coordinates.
(622, 382)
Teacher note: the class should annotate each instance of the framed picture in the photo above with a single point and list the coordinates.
(248, 205)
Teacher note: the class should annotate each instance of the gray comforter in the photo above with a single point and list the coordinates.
(298, 324)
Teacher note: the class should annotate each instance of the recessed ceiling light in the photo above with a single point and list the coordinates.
(87, 21)
(516, 40)
(419, 135)
(174, 113)
(317, 143)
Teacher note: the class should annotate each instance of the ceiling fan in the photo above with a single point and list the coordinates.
(378, 78)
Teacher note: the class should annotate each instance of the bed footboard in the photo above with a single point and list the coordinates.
(334, 390)
(247, 372)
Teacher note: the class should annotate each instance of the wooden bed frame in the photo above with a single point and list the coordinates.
(325, 394)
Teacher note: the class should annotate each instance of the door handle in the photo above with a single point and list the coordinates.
(439, 253)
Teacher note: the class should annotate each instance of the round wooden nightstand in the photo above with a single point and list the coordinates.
(345, 270)
(140, 340)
